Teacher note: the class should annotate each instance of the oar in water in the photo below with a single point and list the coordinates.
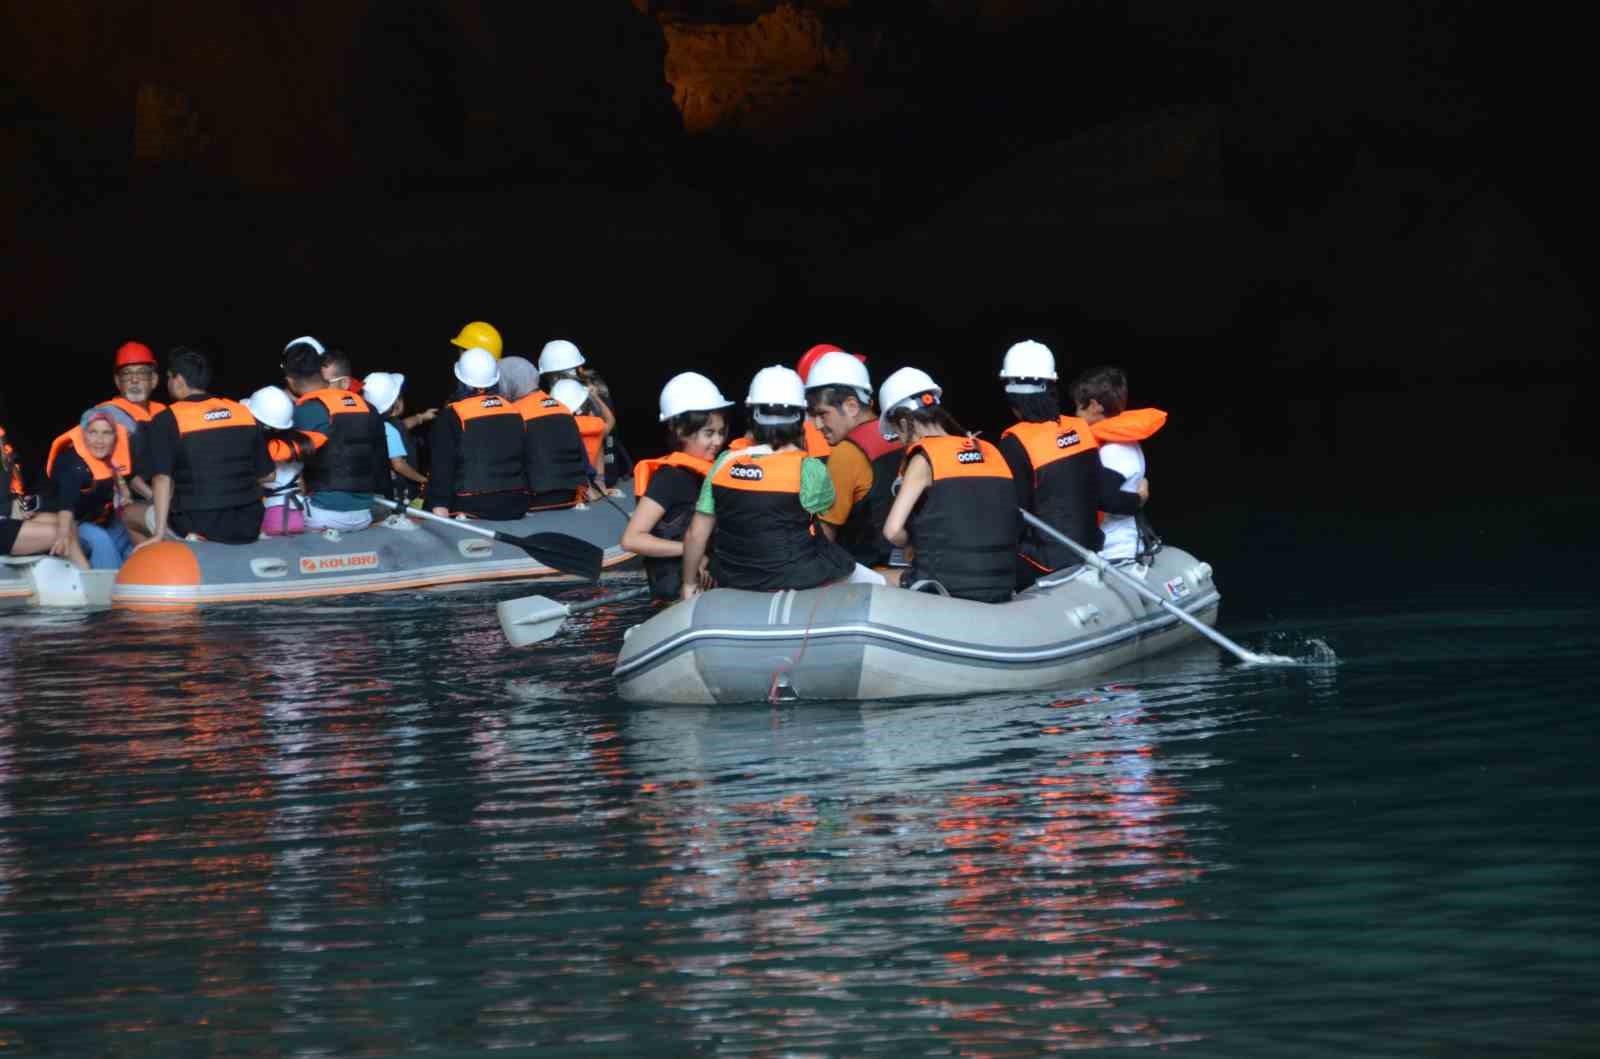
(556, 550)
(530, 619)
(1153, 596)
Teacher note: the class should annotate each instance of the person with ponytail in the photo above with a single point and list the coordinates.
(955, 506)
(666, 489)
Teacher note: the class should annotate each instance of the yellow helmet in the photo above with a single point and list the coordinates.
(479, 335)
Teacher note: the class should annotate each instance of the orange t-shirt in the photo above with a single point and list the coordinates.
(852, 480)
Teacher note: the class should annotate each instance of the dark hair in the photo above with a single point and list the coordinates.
(1036, 407)
(338, 360)
(777, 434)
(548, 380)
(1107, 385)
(190, 365)
(302, 362)
(685, 425)
(925, 415)
(835, 397)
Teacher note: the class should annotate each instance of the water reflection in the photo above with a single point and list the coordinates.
(1001, 867)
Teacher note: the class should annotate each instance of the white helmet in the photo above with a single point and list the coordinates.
(382, 389)
(781, 387)
(477, 368)
(1031, 361)
(559, 355)
(841, 369)
(306, 340)
(906, 388)
(571, 393)
(690, 392)
(271, 407)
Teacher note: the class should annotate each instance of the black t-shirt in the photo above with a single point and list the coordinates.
(673, 488)
(69, 477)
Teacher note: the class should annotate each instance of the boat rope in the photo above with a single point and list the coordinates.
(805, 639)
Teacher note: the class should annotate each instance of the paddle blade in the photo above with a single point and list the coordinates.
(562, 552)
(530, 619)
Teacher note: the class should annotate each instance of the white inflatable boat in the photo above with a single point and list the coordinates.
(863, 642)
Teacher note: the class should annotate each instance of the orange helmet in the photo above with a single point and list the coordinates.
(130, 353)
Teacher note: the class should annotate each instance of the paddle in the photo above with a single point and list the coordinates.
(1155, 597)
(556, 550)
(530, 619)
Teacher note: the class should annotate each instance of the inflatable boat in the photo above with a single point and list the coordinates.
(849, 641)
(45, 581)
(397, 552)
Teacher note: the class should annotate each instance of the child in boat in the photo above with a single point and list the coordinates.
(667, 489)
(763, 501)
(384, 391)
(955, 506)
(284, 497)
(594, 425)
(1101, 397)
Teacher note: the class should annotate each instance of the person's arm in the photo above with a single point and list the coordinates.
(161, 499)
(1113, 500)
(916, 477)
(637, 538)
(1016, 457)
(412, 422)
(695, 539)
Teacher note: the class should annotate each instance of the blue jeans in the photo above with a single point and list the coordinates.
(107, 545)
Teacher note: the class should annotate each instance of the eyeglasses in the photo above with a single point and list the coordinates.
(129, 373)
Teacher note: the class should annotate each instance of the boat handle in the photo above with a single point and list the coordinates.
(268, 567)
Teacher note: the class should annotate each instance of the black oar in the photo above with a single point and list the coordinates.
(555, 550)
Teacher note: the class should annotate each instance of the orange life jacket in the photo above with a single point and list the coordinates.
(554, 451)
(644, 470)
(1136, 424)
(1065, 487)
(593, 431)
(765, 539)
(816, 444)
(136, 413)
(10, 473)
(105, 472)
(964, 526)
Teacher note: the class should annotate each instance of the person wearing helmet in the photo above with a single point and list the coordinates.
(86, 471)
(586, 407)
(344, 472)
(383, 391)
(955, 506)
(1101, 397)
(864, 462)
(1055, 465)
(762, 503)
(561, 359)
(479, 335)
(478, 446)
(208, 458)
(289, 449)
(558, 465)
(816, 443)
(666, 489)
(136, 374)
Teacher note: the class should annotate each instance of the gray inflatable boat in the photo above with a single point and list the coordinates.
(395, 553)
(864, 642)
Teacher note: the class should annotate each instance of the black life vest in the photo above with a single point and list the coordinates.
(666, 575)
(764, 539)
(490, 449)
(862, 532)
(964, 526)
(554, 446)
(354, 459)
(219, 447)
(1066, 488)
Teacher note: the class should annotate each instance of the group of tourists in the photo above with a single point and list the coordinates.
(837, 483)
(834, 481)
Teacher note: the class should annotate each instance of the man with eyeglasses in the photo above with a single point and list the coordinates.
(135, 373)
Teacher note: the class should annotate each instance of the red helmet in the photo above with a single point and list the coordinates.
(130, 353)
(814, 354)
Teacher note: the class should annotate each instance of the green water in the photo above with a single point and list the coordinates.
(374, 830)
